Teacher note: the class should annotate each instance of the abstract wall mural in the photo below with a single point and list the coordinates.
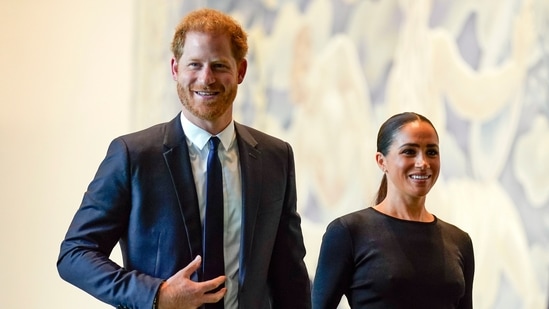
(324, 74)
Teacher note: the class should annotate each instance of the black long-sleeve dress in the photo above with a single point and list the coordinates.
(378, 261)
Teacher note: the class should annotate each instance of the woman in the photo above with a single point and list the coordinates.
(396, 254)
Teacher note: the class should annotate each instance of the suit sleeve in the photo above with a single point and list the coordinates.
(288, 277)
(97, 226)
(335, 267)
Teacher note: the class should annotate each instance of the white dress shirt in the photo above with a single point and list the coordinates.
(197, 139)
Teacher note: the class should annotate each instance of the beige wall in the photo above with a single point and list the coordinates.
(65, 75)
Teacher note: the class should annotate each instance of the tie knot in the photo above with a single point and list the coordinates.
(213, 143)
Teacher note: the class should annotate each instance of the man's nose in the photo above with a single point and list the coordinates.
(206, 76)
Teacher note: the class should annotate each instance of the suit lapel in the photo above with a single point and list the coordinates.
(251, 168)
(177, 159)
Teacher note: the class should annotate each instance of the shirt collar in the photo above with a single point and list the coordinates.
(200, 137)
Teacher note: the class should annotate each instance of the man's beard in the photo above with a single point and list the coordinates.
(214, 110)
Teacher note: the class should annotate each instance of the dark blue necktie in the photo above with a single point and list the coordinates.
(213, 264)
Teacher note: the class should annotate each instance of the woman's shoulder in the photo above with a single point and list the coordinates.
(359, 219)
(452, 230)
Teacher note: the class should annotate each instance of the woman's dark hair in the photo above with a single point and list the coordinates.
(385, 137)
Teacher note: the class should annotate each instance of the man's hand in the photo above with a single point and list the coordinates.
(180, 292)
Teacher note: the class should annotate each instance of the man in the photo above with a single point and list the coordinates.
(151, 191)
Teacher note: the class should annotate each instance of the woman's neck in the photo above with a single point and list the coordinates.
(412, 210)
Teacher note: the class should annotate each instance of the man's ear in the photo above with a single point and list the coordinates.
(175, 68)
(242, 67)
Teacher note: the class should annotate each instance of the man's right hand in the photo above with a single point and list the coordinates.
(180, 292)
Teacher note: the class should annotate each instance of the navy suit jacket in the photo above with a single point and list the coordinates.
(143, 196)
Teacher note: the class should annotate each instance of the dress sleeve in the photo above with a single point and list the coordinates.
(335, 267)
(468, 273)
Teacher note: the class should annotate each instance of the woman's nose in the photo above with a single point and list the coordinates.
(421, 162)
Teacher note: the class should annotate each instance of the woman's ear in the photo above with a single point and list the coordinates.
(380, 160)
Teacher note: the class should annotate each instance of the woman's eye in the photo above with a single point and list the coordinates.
(409, 151)
(432, 153)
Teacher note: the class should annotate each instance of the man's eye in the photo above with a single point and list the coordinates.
(219, 66)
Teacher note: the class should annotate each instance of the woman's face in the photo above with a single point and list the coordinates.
(412, 164)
